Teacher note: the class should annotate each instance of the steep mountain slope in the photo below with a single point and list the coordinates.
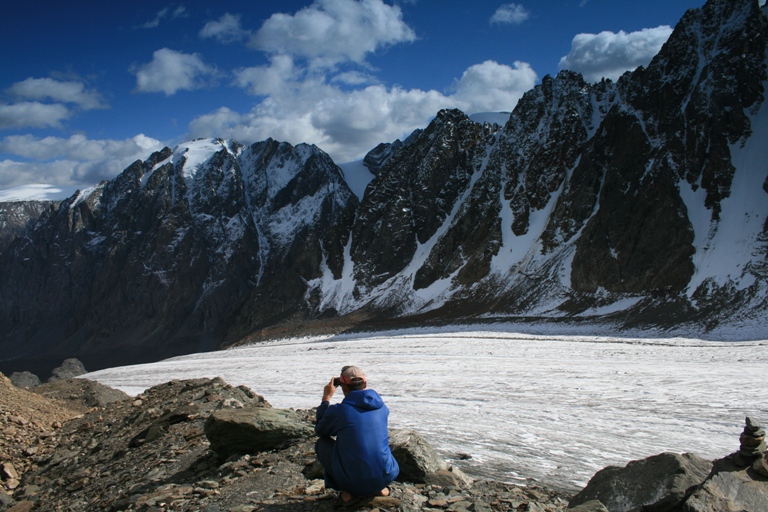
(177, 254)
(592, 194)
(641, 202)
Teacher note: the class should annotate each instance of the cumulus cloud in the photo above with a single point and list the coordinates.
(76, 160)
(318, 87)
(171, 71)
(609, 54)
(512, 14)
(494, 87)
(300, 105)
(32, 114)
(329, 32)
(344, 124)
(57, 91)
(226, 29)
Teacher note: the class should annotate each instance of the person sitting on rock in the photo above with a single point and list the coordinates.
(358, 462)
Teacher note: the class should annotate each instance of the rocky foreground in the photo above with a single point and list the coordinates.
(204, 445)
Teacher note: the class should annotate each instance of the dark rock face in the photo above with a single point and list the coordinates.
(17, 217)
(604, 196)
(412, 196)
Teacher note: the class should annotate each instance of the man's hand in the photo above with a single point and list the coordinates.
(328, 391)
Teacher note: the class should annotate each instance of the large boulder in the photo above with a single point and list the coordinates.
(24, 380)
(253, 429)
(69, 369)
(415, 456)
(730, 487)
(660, 483)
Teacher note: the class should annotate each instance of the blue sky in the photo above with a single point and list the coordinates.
(88, 87)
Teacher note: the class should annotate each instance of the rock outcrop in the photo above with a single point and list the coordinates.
(661, 482)
(151, 452)
(80, 395)
(24, 379)
(69, 369)
(670, 482)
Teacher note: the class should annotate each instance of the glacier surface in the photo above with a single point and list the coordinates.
(536, 402)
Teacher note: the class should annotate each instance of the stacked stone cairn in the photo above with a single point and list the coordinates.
(753, 449)
(752, 441)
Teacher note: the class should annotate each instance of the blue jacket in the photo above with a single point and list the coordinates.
(362, 461)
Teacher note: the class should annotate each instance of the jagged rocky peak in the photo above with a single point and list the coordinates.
(701, 88)
(380, 155)
(677, 128)
(414, 194)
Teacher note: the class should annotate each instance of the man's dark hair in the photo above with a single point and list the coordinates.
(356, 385)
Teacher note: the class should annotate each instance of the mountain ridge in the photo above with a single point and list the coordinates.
(637, 202)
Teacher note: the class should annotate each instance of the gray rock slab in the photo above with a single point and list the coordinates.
(659, 483)
(253, 429)
(730, 487)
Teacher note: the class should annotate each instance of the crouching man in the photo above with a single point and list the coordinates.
(358, 462)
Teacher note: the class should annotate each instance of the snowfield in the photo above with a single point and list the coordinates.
(553, 408)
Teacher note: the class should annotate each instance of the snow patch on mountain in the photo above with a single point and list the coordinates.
(724, 248)
(195, 153)
(335, 293)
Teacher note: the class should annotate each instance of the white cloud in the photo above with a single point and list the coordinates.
(513, 14)
(171, 71)
(58, 91)
(226, 29)
(306, 106)
(32, 114)
(76, 160)
(269, 80)
(329, 32)
(344, 124)
(609, 54)
(494, 87)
